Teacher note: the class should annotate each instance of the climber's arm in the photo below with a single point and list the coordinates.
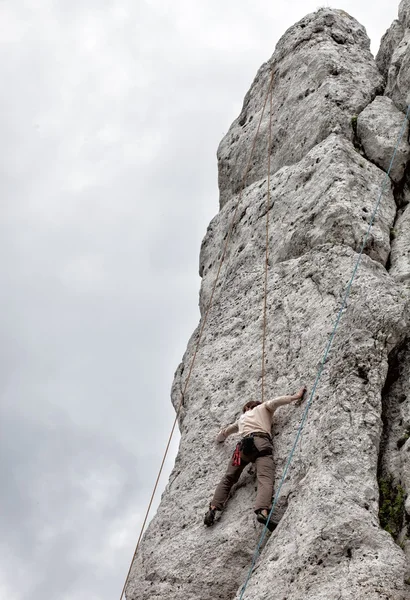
(224, 433)
(272, 405)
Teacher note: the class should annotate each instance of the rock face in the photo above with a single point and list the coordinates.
(400, 255)
(394, 58)
(323, 67)
(343, 510)
(389, 43)
(378, 129)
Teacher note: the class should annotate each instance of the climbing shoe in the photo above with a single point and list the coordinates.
(209, 518)
(260, 517)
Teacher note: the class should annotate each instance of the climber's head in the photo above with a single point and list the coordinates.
(250, 405)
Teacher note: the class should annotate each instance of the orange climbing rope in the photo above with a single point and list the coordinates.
(205, 317)
(265, 295)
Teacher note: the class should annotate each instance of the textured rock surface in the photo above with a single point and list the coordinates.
(378, 129)
(400, 254)
(389, 43)
(404, 13)
(398, 80)
(330, 543)
(394, 58)
(323, 67)
(394, 462)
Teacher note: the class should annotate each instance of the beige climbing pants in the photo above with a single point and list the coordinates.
(264, 474)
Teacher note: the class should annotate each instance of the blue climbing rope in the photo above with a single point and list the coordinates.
(325, 354)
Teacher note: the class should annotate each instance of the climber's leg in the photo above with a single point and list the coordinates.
(265, 474)
(221, 494)
(224, 486)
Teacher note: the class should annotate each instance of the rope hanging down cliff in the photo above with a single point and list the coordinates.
(326, 352)
(201, 330)
(265, 291)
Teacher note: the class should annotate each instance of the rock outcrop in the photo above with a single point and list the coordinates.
(343, 510)
(389, 43)
(394, 58)
(378, 129)
(324, 74)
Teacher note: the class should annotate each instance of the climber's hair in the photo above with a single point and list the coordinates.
(250, 405)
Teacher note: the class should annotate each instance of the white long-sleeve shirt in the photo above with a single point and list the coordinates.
(257, 420)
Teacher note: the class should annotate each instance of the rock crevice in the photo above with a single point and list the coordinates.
(394, 467)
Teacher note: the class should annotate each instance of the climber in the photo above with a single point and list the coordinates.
(255, 426)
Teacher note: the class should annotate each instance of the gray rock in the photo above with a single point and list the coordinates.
(378, 128)
(305, 291)
(400, 254)
(389, 43)
(398, 79)
(404, 13)
(329, 543)
(331, 497)
(323, 67)
(326, 198)
(393, 58)
(394, 464)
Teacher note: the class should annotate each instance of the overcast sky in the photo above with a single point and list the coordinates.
(110, 116)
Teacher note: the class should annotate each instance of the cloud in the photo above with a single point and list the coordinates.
(69, 500)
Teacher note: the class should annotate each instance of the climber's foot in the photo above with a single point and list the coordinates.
(262, 517)
(209, 518)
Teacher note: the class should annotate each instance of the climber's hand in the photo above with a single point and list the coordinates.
(300, 396)
(221, 437)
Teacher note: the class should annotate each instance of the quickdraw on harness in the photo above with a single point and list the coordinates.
(236, 457)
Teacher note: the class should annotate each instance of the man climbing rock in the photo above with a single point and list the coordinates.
(255, 426)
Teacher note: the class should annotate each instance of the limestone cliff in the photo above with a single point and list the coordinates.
(343, 510)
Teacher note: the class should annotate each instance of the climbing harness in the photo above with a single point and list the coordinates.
(201, 330)
(246, 448)
(326, 353)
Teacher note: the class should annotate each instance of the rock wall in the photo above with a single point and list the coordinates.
(343, 510)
